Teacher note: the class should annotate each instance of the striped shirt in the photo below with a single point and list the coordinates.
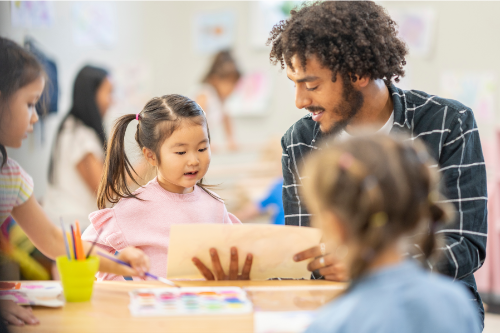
(16, 187)
(449, 130)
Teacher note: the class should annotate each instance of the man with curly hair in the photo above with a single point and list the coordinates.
(342, 57)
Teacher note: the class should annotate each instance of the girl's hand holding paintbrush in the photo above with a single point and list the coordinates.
(135, 257)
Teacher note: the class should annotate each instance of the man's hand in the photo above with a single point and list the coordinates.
(17, 315)
(217, 267)
(327, 265)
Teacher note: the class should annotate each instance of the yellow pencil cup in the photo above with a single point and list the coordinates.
(77, 277)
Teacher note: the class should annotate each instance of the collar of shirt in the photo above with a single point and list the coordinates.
(383, 130)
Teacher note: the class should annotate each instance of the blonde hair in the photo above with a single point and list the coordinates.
(382, 189)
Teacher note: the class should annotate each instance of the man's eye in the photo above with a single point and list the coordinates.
(311, 89)
(180, 152)
(202, 150)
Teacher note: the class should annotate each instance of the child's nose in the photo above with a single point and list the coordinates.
(193, 160)
(34, 117)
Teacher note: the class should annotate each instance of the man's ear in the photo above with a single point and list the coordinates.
(361, 82)
(149, 156)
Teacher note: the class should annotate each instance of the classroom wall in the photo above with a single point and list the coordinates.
(57, 41)
(158, 37)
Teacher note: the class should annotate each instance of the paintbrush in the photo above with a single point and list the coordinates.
(92, 246)
(158, 278)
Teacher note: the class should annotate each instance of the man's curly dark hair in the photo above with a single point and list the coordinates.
(348, 37)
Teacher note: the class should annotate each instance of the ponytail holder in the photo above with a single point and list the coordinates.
(345, 161)
(378, 219)
(137, 116)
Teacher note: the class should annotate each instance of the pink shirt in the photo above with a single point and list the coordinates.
(146, 224)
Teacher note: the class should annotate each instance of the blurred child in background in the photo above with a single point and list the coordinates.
(172, 133)
(368, 195)
(216, 87)
(78, 154)
(22, 81)
(271, 202)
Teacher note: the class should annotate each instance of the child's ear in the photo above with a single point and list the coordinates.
(149, 156)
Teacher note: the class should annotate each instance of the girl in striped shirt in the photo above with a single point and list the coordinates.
(22, 81)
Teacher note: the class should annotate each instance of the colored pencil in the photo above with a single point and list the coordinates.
(68, 239)
(68, 254)
(74, 243)
(158, 278)
(79, 244)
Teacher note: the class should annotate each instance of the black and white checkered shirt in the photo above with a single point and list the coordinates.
(450, 132)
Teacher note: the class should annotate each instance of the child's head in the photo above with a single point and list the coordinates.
(223, 74)
(368, 193)
(92, 97)
(173, 136)
(22, 80)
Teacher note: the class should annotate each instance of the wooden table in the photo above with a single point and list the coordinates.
(108, 310)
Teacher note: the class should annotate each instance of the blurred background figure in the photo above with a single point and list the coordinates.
(261, 200)
(77, 158)
(216, 87)
(272, 201)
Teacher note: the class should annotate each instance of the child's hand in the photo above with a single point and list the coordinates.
(219, 272)
(17, 315)
(135, 257)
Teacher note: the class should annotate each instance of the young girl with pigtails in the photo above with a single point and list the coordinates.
(173, 135)
(376, 200)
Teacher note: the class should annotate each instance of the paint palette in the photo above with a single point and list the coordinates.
(42, 293)
(189, 301)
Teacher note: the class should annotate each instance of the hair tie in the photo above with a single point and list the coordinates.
(137, 116)
(346, 160)
(378, 219)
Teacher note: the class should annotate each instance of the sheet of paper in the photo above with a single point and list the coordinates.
(214, 31)
(417, 27)
(272, 246)
(32, 14)
(94, 23)
(282, 322)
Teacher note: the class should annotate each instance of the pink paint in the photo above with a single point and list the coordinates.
(33, 286)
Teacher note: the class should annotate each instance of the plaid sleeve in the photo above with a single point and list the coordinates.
(463, 172)
(295, 213)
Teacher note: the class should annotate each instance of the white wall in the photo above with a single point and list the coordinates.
(159, 36)
(57, 41)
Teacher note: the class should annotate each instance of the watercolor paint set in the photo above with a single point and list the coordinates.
(39, 293)
(189, 301)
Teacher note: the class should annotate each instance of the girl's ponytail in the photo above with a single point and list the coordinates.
(117, 166)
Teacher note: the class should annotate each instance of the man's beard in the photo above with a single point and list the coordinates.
(352, 101)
